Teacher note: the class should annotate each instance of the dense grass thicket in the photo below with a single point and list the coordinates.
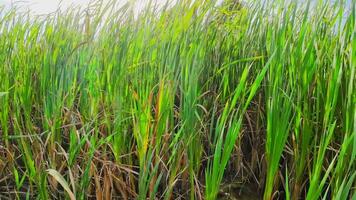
(186, 101)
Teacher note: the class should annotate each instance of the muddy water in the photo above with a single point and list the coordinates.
(238, 191)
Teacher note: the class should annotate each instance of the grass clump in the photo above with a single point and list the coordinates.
(187, 100)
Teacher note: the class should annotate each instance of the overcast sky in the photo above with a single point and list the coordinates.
(48, 6)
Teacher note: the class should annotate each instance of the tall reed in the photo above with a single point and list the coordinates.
(189, 99)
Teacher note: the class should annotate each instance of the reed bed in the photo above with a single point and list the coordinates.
(188, 100)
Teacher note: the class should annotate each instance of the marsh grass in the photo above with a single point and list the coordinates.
(178, 101)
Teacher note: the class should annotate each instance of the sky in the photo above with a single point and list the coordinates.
(48, 6)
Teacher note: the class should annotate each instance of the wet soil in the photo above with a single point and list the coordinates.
(238, 191)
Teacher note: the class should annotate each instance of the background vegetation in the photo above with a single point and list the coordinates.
(186, 101)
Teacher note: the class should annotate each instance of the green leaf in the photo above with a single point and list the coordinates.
(3, 94)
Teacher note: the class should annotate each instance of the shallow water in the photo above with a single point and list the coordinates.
(238, 191)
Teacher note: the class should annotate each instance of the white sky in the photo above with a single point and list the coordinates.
(48, 6)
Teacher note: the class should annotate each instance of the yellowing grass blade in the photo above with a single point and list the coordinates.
(56, 175)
